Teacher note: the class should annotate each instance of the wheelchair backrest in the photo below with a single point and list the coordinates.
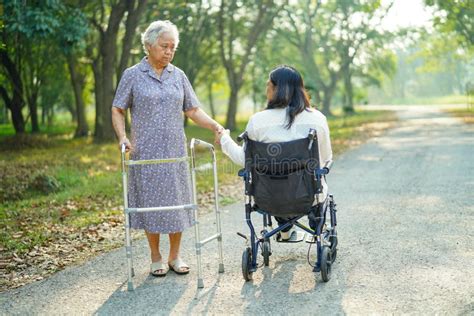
(282, 175)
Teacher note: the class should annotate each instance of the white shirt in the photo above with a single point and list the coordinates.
(268, 126)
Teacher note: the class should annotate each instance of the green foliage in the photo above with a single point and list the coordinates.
(381, 67)
(455, 16)
(432, 67)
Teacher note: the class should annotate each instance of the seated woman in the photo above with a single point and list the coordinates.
(288, 116)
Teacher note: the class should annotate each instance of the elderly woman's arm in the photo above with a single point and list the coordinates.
(118, 121)
(203, 120)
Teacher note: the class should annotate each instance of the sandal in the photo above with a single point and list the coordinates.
(177, 265)
(157, 266)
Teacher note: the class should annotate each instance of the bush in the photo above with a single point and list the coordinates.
(45, 184)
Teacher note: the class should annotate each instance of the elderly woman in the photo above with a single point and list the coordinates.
(288, 117)
(157, 92)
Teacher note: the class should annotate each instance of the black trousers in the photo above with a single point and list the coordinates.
(311, 217)
(281, 221)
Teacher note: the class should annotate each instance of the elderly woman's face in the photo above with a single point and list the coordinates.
(270, 90)
(162, 52)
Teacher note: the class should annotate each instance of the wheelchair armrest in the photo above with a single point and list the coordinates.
(242, 137)
(321, 172)
(243, 173)
(328, 165)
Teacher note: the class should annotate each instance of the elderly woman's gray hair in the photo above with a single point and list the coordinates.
(155, 30)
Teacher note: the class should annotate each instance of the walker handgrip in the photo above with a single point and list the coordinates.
(203, 143)
(123, 148)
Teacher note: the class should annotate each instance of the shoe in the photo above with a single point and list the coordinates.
(177, 265)
(157, 266)
(286, 235)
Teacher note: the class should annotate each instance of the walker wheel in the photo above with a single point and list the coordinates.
(246, 264)
(266, 252)
(326, 262)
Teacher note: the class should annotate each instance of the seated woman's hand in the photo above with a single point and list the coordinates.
(217, 134)
(222, 133)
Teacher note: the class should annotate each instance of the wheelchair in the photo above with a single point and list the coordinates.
(282, 180)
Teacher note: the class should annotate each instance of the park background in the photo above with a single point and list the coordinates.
(60, 189)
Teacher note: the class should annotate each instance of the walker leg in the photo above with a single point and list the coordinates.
(218, 215)
(200, 284)
(128, 250)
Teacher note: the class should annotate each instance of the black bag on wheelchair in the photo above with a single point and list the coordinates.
(282, 176)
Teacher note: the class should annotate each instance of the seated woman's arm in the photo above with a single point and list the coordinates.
(325, 150)
(230, 148)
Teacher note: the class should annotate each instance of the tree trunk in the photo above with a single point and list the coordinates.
(104, 130)
(33, 107)
(50, 118)
(72, 110)
(105, 72)
(211, 100)
(82, 129)
(348, 92)
(96, 69)
(232, 109)
(328, 92)
(16, 103)
(17, 115)
(4, 115)
(327, 103)
(133, 18)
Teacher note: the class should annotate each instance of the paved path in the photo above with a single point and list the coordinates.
(405, 203)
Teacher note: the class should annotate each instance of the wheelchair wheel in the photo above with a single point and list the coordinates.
(266, 252)
(326, 262)
(333, 242)
(246, 264)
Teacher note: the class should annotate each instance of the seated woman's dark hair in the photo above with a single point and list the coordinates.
(289, 92)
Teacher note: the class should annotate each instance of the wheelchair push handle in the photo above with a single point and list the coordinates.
(311, 137)
(242, 137)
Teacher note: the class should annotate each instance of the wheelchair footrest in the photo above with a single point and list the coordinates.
(310, 239)
(296, 236)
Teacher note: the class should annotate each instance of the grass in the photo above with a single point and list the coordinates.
(467, 113)
(89, 187)
(449, 99)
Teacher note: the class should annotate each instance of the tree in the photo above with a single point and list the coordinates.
(456, 16)
(329, 38)
(359, 27)
(240, 26)
(15, 103)
(107, 21)
(307, 33)
(197, 55)
(72, 43)
(29, 32)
